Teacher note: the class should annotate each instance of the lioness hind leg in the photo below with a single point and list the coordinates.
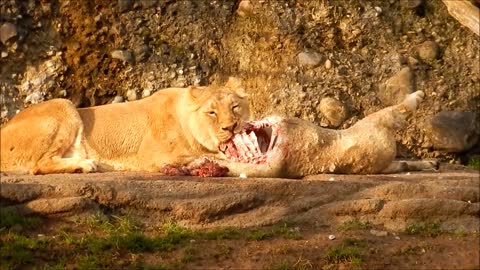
(66, 153)
(45, 138)
(394, 117)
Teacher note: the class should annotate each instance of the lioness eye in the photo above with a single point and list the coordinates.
(234, 107)
(212, 113)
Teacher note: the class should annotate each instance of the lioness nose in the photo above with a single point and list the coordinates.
(230, 128)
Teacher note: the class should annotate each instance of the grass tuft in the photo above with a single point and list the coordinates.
(348, 251)
(10, 219)
(474, 163)
(354, 224)
(424, 229)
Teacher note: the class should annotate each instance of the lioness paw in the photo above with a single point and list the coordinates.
(88, 165)
(412, 100)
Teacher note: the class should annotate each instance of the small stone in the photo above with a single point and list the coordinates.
(342, 71)
(34, 98)
(397, 237)
(411, 4)
(378, 10)
(123, 55)
(452, 131)
(428, 51)
(397, 87)
(146, 93)
(331, 179)
(118, 99)
(328, 64)
(131, 95)
(142, 52)
(7, 31)
(311, 59)
(243, 175)
(378, 233)
(124, 5)
(331, 237)
(333, 110)
(148, 3)
(245, 8)
(4, 54)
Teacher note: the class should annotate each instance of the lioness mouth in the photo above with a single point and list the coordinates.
(253, 144)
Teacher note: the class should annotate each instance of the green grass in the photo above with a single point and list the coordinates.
(100, 240)
(424, 229)
(10, 219)
(348, 251)
(17, 250)
(354, 224)
(260, 235)
(285, 229)
(474, 163)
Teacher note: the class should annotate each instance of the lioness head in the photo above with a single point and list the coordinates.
(218, 112)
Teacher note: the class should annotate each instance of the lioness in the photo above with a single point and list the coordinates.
(173, 126)
(291, 147)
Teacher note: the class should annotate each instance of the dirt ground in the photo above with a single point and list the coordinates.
(426, 220)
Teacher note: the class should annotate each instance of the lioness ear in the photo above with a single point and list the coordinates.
(236, 84)
(194, 92)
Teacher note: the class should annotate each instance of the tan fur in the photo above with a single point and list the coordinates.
(173, 126)
(367, 147)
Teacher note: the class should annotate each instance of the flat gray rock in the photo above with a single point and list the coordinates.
(393, 201)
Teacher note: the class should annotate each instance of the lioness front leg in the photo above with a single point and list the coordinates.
(45, 138)
(399, 166)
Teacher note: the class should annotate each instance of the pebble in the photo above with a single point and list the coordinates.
(311, 59)
(243, 175)
(34, 98)
(328, 64)
(333, 110)
(7, 31)
(428, 51)
(146, 93)
(123, 55)
(397, 87)
(331, 237)
(378, 233)
(4, 54)
(131, 95)
(411, 4)
(118, 99)
(148, 3)
(124, 5)
(378, 10)
(245, 8)
(142, 52)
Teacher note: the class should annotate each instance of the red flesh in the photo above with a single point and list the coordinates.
(206, 168)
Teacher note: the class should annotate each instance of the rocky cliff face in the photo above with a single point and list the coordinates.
(356, 56)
